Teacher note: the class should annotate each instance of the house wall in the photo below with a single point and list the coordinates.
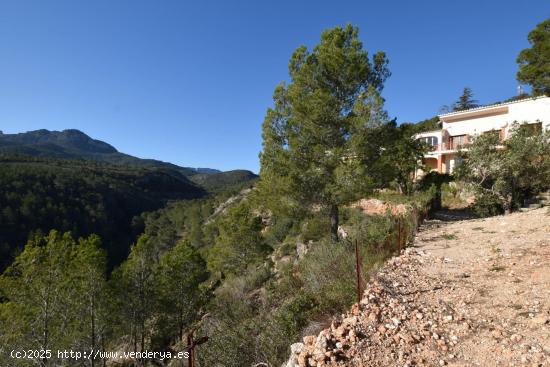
(531, 111)
(527, 111)
(431, 163)
(436, 133)
(449, 163)
(477, 125)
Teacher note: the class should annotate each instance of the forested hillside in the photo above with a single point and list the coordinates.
(67, 181)
(222, 181)
(84, 197)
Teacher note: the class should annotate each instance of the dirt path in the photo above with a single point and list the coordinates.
(496, 273)
(467, 293)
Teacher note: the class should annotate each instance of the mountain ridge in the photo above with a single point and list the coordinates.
(75, 144)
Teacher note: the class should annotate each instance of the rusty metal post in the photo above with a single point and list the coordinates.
(192, 344)
(358, 272)
(400, 237)
(191, 349)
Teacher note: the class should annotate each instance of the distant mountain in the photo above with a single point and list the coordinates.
(206, 170)
(74, 144)
(71, 139)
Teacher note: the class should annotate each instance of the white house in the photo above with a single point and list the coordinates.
(459, 127)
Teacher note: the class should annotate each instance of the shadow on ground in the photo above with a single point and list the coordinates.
(453, 215)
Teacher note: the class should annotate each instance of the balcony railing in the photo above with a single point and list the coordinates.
(447, 146)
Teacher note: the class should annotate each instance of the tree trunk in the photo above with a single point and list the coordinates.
(334, 223)
(104, 360)
(92, 325)
(142, 341)
(508, 203)
(400, 187)
(510, 200)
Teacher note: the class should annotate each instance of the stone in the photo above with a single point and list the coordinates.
(321, 342)
(516, 338)
(296, 348)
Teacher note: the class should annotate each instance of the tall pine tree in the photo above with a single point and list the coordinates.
(534, 62)
(318, 142)
(465, 101)
(135, 286)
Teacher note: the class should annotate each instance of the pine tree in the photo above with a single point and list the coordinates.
(317, 140)
(54, 299)
(36, 288)
(134, 284)
(178, 278)
(465, 101)
(238, 242)
(534, 62)
(90, 299)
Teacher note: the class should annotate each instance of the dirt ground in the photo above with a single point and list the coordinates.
(473, 292)
(496, 276)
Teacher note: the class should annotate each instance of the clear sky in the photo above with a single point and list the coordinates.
(189, 81)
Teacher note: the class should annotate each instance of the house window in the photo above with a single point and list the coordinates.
(532, 129)
(496, 133)
(429, 140)
(457, 141)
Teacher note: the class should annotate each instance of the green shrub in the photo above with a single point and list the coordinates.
(433, 178)
(276, 328)
(328, 272)
(373, 230)
(288, 247)
(315, 228)
(487, 205)
(278, 231)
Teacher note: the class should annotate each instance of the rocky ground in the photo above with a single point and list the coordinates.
(466, 293)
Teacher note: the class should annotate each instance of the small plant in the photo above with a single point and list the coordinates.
(495, 249)
(497, 268)
(287, 248)
(449, 236)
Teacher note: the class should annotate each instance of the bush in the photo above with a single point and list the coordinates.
(328, 272)
(434, 178)
(316, 228)
(287, 248)
(278, 231)
(451, 195)
(372, 230)
(487, 205)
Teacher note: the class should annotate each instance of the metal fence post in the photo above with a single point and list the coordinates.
(358, 272)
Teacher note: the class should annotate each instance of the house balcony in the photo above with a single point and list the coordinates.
(447, 147)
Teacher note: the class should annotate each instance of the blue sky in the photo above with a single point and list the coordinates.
(189, 81)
